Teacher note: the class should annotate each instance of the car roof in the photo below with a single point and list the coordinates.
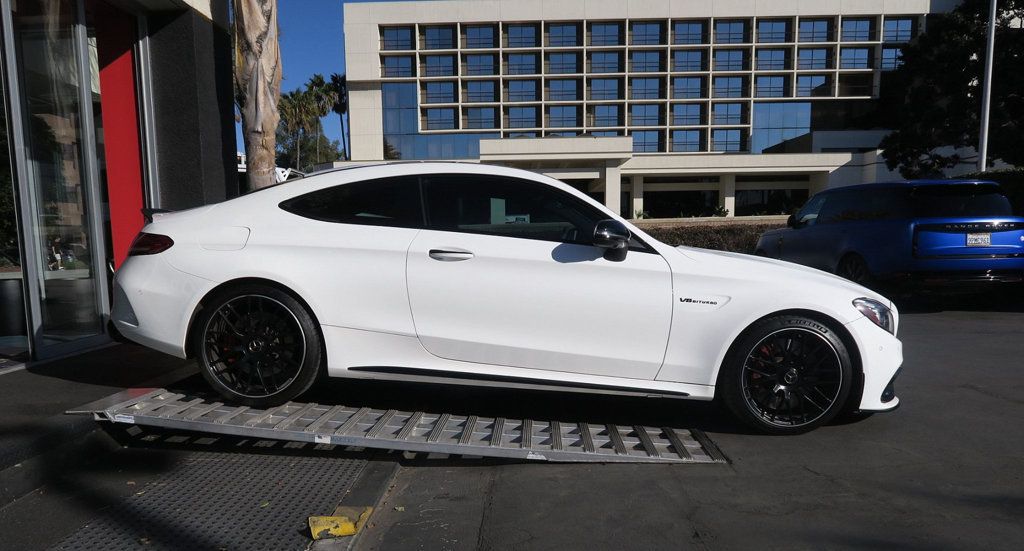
(913, 184)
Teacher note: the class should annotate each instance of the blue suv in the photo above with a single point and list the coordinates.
(922, 231)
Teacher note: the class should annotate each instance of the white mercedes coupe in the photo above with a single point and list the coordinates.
(483, 275)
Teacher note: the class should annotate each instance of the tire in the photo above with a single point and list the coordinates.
(853, 267)
(257, 345)
(786, 375)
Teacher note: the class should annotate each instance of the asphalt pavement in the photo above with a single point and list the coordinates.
(945, 471)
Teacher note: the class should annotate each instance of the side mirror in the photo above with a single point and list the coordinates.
(611, 234)
(791, 221)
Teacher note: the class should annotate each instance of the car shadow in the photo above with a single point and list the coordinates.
(1003, 298)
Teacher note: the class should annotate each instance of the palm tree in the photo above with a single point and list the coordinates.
(322, 98)
(297, 117)
(257, 78)
(341, 108)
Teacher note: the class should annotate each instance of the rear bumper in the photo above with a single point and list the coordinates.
(981, 270)
(153, 303)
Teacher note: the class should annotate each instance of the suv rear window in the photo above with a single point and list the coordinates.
(960, 200)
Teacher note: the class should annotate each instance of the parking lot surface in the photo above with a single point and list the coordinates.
(942, 472)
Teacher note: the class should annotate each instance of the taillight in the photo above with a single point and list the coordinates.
(149, 243)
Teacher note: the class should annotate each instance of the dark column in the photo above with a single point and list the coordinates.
(193, 101)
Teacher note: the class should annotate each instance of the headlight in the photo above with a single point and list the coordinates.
(877, 312)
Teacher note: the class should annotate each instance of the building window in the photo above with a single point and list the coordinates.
(480, 117)
(856, 85)
(773, 30)
(857, 30)
(813, 86)
(686, 141)
(438, 65)
(781, 127)
(564, 134)
(770, 87)
(563, 63)
(440, 119)
(688, 87)
(440, 92)
(687, 114)
(730, 32)
(730, 60)
(522, 90)
(563, 90)
(645, 33)
(772, 60)
(397, 66)
(523, 135)
(605, 88)
(522, 36)
(688, 60)
(480, 64)
(522, 64)
(563, 34)
(563, 116)
(727, 139)
(607, 115)
(760, 202)
(645, 62)
(480, 36)
(812, 58)
(396, 38)
(481, 91)
(688, 32)
(646, 141)
(900, 29)
(645, 115)
(401, 125)
(892, 58)
(439, 38)
(605, 62)
(815, 30)
(606, 34)
(522, 117)
(854, 58)
(645, 88)
(606, 133)
(727, 113)
(728, 87)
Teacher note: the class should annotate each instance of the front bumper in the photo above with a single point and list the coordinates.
(881, 357)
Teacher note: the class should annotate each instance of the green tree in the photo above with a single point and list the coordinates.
(934, 99)
(340, 108)
(314, 144)
(297, 119)
(322, 98)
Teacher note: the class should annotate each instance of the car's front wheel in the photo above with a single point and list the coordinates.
(257, 345)
(786, 375)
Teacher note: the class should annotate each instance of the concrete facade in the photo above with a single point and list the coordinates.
(610, 166)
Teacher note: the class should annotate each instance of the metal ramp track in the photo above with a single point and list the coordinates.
(415, 431)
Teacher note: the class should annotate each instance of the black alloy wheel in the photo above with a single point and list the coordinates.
(787, 375)
(258, 346)
(854, 268)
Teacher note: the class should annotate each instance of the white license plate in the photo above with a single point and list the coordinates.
(979, 240)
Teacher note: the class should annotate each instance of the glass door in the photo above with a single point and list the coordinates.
(65, 258)
(13, 328)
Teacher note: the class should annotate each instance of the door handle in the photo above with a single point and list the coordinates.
(450, 255)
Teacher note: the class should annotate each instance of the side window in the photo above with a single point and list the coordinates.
(383, 202)
(507, 207)
(808, 215)
(844, 206)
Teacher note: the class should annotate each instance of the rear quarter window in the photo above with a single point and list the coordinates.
(393, 202)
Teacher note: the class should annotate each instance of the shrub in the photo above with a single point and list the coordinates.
(740, 238)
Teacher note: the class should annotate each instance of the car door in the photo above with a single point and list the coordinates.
(506, 274)
(802, 243)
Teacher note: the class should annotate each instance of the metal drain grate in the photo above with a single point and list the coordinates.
(214, 501)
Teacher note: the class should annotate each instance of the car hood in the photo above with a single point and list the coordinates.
(757, 268)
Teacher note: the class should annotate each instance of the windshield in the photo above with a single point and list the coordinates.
(960, 200)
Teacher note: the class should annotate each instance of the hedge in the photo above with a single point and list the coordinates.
(740, 238)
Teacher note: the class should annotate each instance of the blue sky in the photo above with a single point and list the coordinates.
(311, 42)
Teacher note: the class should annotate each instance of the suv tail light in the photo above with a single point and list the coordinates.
(149, 243)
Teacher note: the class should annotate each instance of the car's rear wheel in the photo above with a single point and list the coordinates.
(855, 268)
(257, 345)
(786, 375)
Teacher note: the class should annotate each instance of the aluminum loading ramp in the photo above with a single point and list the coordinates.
(414, 431)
